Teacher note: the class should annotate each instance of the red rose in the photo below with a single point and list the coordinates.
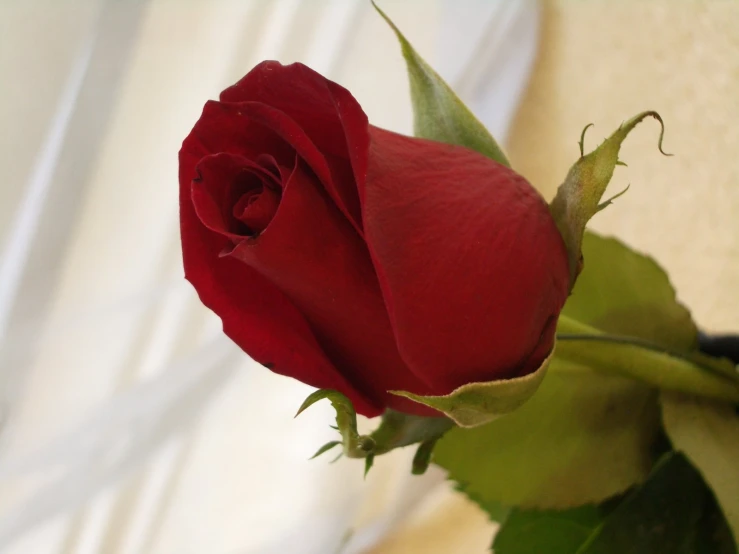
(357, 259)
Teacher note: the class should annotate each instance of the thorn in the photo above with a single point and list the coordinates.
(368, 461)
(582, 139)
(619, 162)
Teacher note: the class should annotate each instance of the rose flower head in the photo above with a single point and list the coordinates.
(357, 259)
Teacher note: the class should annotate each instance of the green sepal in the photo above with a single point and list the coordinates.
(422, 458)
(354, 444)
(368, 463)
(579, 197)
(396, 430)
(438, 113)
(475, 404)
(325, 448)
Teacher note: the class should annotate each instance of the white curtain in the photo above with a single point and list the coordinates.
(129, 424)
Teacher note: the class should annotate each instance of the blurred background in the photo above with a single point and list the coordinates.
(128, 424)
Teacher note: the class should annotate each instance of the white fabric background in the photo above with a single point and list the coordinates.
(129, 424)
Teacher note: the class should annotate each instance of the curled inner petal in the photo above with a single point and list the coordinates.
(257, 208)
(235, 196)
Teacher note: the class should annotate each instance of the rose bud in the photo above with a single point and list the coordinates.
(357, 259)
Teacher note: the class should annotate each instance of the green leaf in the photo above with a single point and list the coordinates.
(438, 113)
(723, 366)
(623, 317)
(583, 345)
(708, 433)
(622, 292)
(673, 512)
(579, 197)
(660, 517)
(581, 438)
(713, 535)
(496, 511)
(546, 532)
(475, 404)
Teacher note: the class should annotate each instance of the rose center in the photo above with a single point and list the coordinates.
(235, 196)
(257, 207)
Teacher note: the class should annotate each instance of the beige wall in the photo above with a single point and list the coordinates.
(602, 62)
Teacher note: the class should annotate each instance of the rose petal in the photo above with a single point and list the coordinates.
(255, 314)
(329, 115)
(312, 254)
(470, 262)
(226, 128)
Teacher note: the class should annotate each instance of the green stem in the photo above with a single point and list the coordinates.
(584, 345)
(398, 429)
